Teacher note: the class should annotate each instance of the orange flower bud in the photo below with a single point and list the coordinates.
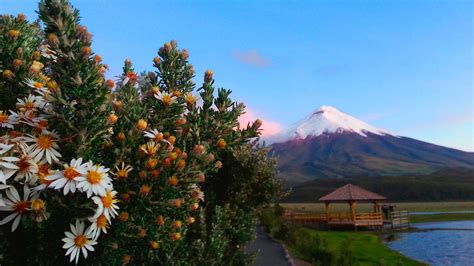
(155, 173)
(53, 38)
(13, 34)
(141, 125)
(37, 205)
(86, 50)
(221, 144)
(141, 232)
(52, 85)
(160, 220)
(172, 139)
(208, 76)
(125, 197)
(257, 123)
(36, 55)
(173, 156)
(175, 236)
(154, 245)
(167, 162)
(185, 54)
(181, 164)
(157, 60)
(21, 17)
(175, 203)
(173, 181)
(8, 74)
(144, 190)
(112, 119)
(110, 84)
(198, 149)
(194, 206)
(151, 163)
(97, 58)
(123, 216)
(117, 104)
(142, 174)
(176, 93)
(218, 165)
(36, 67)
(121, 136)
(17, 63)
(126, 259)
(191, 220)
(155, 89)
(180, 121)
(200, 177)
(177, 224)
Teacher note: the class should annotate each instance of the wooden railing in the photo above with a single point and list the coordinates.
(368, 216)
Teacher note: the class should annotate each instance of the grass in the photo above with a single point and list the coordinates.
(441, 217)
(366, 248)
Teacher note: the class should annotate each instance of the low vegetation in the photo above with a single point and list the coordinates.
(331, 248)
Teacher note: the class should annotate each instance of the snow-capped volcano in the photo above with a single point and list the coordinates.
(326, 120)
(329, 143)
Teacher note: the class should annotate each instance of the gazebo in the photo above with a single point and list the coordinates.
(352, 195)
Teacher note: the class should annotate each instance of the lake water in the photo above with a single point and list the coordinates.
(451, 244)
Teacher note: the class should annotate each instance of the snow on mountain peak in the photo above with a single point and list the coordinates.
(326, 120)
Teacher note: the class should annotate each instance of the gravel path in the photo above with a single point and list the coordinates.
(270, 253)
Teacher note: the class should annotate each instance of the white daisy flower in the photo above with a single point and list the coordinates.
(96, 181)
(196, 192)
(2, 203)
(23, 166)
(5, 147)
(99, 224)
(66, 178)
(47, 52)
(166, 98)
(39, 122)
(191, 99)
(106, 205)
(16, 204)
(78, 240)
(154, 134)
(8, 120)
(123, 171)
(44, 145)
(30, 103)
(44, 171)
(9, 163)
(36, 85)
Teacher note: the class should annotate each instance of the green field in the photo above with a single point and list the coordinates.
(366, 248)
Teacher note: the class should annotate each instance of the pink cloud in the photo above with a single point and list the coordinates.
(268, 127)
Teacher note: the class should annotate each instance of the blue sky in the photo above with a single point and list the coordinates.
(405, 66)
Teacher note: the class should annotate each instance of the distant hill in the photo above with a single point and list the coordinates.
(449, 184)
(331, 144)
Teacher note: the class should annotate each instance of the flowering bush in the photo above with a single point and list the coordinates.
(144, 169)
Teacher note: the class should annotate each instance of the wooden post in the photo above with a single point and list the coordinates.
(326, 204)
(352, 204)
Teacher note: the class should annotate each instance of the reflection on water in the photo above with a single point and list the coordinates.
(439, 247)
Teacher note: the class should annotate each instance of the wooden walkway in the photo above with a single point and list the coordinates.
(335, 219)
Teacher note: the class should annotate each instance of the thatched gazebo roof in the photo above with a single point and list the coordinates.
(351, 192)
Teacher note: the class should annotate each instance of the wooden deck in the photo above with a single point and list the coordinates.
(336, 219)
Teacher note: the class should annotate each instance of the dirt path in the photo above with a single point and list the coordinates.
(270, 253)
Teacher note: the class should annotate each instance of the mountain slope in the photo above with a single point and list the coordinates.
(331, 144)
